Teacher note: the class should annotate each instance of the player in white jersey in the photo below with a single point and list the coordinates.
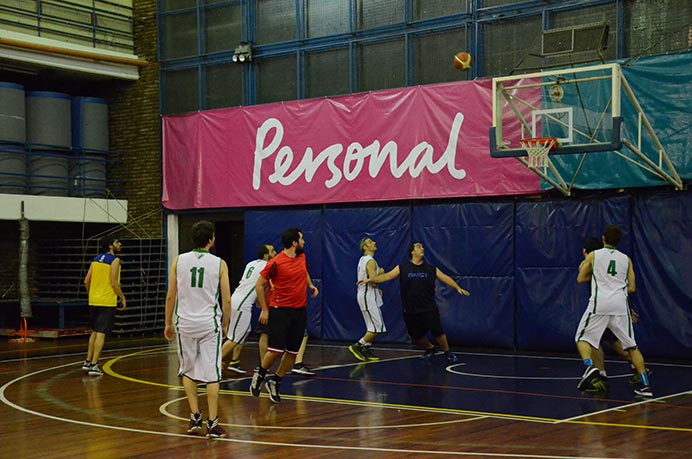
(612, 280)
(244, 296)
(197, 278)
(369, 300)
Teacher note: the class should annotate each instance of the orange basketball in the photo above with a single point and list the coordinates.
(462, 61)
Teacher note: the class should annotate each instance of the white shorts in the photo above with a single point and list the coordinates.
(200, 358)
(592, 326)
(239, 326)
(374, 322)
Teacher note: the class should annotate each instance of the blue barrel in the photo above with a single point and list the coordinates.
(12, 169)
(48, 120)
(89, 124)
(49, 173)
(88, 176)
(12, 113)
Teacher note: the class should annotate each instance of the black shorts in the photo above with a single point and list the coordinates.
(286, 329)
(262, 329)
(102, 318)
(419, 324)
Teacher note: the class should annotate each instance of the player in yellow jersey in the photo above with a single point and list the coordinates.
(102, 283)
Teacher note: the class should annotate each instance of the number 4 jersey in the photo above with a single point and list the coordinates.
(609, 282)
(197, 311)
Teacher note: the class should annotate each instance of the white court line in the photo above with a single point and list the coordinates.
(264, 443)
(624, 407)
(72, 354)
(544, 378)
(163, 409)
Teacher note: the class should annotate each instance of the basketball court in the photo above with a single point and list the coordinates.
(498, 404)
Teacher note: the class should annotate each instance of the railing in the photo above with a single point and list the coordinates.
(96, 23)
(64, 263)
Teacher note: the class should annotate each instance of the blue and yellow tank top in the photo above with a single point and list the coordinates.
(101, 292)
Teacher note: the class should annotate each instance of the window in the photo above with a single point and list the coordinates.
(381, 65)
(181, 91)
(277, 80)
(276, 21)
(224, 86)
(327, 73)
(433, 56)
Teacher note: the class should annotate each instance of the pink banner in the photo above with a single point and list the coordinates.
(411, 143)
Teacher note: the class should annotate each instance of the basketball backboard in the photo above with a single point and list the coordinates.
(581, 110)
(580, 107)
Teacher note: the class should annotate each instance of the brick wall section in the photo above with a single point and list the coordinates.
(134, 130)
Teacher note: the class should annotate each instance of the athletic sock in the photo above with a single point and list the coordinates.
(362, 342)
(644, 378)
(277, 378)
(603, 373)
(262, 371)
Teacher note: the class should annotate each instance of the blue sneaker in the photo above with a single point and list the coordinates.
(429, 353)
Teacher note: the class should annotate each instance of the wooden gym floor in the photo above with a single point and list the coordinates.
(499, 404)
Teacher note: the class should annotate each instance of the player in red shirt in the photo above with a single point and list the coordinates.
(286, 313)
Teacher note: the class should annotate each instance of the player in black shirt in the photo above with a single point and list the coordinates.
(421, 314)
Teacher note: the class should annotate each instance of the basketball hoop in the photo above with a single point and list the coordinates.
(537, 150)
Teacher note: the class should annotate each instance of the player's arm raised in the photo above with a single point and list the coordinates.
(393, 274)
(445, 279)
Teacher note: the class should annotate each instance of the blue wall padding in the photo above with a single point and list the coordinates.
(389, 227)
(316, 310)
(663, 268)
(473, 244)
(549, 240)
(519, 260)
(265, 227)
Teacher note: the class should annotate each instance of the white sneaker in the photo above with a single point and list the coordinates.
(235, 367)
(95, 370)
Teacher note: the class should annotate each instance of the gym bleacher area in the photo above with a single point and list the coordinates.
(59, 302)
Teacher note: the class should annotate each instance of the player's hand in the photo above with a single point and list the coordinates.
(363, 281)
(123, 304)
(461, 291)
(634, 316)
(263, 317)
(169, 333)
(315, 291)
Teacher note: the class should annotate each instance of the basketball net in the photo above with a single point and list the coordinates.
(537, 150)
